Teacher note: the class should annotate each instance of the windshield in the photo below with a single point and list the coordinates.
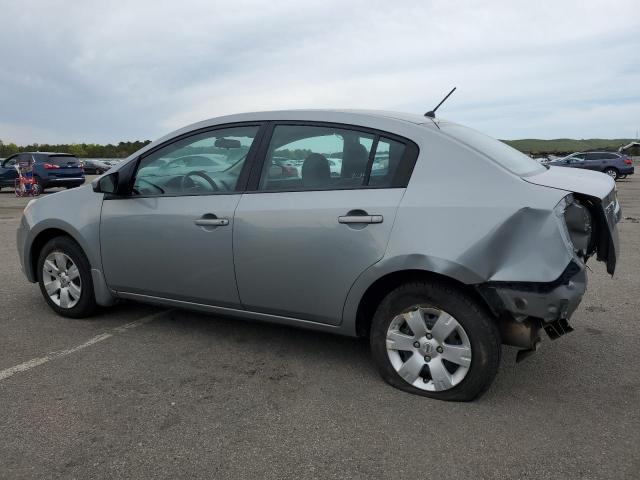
(501, 153)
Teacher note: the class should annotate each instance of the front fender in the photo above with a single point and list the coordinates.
(31, 234)
(75, 213)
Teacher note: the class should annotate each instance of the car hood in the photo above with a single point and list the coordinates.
(586, 182)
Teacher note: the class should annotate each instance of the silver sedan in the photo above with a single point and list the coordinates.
(436, 242)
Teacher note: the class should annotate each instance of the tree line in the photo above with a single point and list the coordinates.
(562, 146)
(81, 150)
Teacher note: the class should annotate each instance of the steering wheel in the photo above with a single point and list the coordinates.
(209, 180)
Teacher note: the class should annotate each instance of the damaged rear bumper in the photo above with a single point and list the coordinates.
(524, 309)
(547, 301)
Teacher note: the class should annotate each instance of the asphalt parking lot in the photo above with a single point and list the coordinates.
(141, 392)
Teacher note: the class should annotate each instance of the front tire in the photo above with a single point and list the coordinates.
(431, 339)
(64, 275)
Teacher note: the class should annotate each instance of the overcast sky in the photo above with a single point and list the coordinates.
(101, 71)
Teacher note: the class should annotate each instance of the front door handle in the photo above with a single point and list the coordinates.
(212, 222)
(360, 219)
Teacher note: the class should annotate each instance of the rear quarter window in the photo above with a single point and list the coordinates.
(501, 153)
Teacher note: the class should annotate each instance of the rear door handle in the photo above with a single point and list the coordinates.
(360, 219)
(212, 222)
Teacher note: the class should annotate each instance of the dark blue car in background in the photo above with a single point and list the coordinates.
(50, 169)
(616, 165)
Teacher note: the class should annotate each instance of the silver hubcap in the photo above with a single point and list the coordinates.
(429, 349)
(61, 279)
(611, 173)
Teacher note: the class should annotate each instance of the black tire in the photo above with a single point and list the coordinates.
(479, 325)
(622, 177)
(86, 305)
(39, 180)
(612, 172)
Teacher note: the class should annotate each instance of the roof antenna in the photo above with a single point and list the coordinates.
(432, 113)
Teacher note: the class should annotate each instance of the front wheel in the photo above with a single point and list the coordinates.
(64, 275)
(431, 339)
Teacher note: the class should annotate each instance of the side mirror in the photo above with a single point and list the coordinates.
(106, 183)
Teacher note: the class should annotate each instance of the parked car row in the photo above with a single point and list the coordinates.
(616, 165)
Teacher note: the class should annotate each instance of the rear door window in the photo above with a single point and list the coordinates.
(63, 160)
(316, 157)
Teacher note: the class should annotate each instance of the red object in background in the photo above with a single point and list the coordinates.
(628, 161)
(49, 166)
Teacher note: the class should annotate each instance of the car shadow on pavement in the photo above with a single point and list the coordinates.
(271, 351)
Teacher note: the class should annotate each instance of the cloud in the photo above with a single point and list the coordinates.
(99, 71)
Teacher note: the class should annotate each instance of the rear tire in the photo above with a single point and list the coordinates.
(612, 172)
(65, 280)
(474, 332)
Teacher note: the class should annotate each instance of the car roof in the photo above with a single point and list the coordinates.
(346, 116)
(394, 122)
(322, 113)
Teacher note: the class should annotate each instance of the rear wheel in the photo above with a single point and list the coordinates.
(64, 275)
(612, 172)
(431, 339)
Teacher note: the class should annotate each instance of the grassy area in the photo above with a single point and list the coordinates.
(566, 145)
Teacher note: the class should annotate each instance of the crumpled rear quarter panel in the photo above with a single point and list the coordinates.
(478, 221)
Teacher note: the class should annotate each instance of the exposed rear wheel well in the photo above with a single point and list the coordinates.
(40, 241)
(381, 287)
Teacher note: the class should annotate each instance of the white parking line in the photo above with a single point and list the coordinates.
(34, 362)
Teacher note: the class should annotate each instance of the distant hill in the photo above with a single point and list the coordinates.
(561, 146)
